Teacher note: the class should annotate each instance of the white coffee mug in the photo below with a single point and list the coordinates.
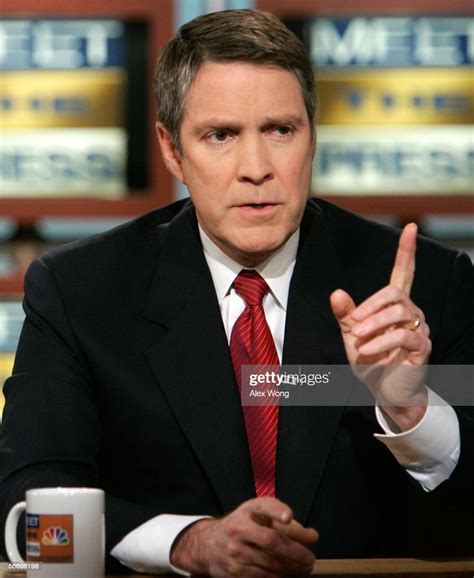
(65, 533)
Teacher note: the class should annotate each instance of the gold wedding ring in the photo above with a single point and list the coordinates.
(416, 323)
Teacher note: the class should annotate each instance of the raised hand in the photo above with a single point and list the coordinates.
(387, 339)
(258, 539)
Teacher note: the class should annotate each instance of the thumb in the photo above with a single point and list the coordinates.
(342, 306)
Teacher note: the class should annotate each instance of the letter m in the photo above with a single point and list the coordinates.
(341, 42)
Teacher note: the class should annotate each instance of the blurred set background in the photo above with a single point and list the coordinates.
(77, 148)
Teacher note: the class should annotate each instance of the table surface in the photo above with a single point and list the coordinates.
(386, 568)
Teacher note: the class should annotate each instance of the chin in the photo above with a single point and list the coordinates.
(255, 253)
(251, 246)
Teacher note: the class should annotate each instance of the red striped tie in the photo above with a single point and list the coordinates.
(251, 343)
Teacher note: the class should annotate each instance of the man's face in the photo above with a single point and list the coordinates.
(246, 156)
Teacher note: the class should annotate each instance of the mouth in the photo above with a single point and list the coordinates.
(258, 207)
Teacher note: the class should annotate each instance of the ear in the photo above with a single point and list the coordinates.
(169, 152)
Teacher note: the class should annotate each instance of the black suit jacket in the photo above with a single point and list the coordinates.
(123, 380)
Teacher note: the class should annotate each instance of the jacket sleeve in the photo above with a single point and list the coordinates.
(51, 429)
(453, 344)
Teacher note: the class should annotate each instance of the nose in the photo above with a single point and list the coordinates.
(255, 166)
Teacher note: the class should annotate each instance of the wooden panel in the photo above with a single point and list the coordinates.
(155, 9)
(406, 207)
(302, 7)
(12, 286)
(401, 567)
(27, 211)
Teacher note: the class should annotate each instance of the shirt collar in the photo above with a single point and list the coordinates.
(276, 270)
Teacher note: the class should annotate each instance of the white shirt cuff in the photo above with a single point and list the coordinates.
(429, 451)
(147, 548)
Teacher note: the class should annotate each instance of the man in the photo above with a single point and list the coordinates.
(125, 375)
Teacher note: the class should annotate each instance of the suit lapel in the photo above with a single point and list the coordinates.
(192, 364)
(311, 337)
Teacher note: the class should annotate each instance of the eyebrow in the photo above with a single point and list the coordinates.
(292, 119)
(267, 123)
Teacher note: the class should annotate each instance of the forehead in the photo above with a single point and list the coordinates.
(242, 89)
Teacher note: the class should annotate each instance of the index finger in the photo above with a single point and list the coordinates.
(403, 270)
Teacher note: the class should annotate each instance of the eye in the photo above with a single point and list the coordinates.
(218, 136)
(284, 130)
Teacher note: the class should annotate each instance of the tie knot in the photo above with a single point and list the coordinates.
(250, 286)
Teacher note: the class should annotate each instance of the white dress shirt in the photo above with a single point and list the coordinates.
(429, 452)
